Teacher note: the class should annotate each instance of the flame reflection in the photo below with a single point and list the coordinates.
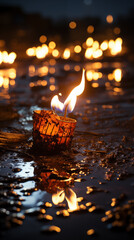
(67, 194)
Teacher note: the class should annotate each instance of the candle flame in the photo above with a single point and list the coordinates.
(67, 194)
(71, 99)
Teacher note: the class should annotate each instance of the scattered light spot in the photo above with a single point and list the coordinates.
(90, 29)
(66, 53)
(52, 87)
(72, 25)
(89, 41)
(95, 85)
(52, 45)
(77, 49)
(109, 18)
(117, 30)
(43, 39)
(66, 67)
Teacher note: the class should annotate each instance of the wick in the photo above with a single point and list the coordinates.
(65, 113)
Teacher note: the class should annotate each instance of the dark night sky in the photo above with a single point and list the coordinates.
(74, 8)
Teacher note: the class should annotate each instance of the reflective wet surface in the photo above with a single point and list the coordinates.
(86, 192)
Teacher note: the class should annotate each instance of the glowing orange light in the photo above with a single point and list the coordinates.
(110, 76)
(95, 85)
(52, 87)
(90, 29)
(71, 99)
(72, 25)
(89, 75)
(111, 43)
(89, 53)
(117, 74)
(52, 45)
(104, 45)
(77, 68)
(43, 39)
(55, 53)
(44, 83)
(52, 61)
(6, 82)
(1, 81)
(12, 82)
(109, 18)
(95, 45)
(66, 53)
(43, 71)
(117, 30)
(89, 41)
(66, 67)
(12, 73)
(52, 80)
(51, 70)
(31, 70)
(98, 53)
(31, 52)
(77, 49)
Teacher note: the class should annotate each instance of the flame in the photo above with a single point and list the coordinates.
(67, 194)
(55, 103)
(71, 198)
(70, 102)
(58, 197)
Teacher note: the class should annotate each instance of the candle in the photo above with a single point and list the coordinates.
(51, 132)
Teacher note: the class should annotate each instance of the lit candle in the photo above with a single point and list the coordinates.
(52, 132)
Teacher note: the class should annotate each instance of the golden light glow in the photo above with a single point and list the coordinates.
(72, 25)
(89, 41)
(90, 29)
(43, 39)
(95, 45)
(42, 51)
(92, 75)
(52, 45)
(89, 75)
(31, 52)
(104, 45)
(43, 71)
(31, 70)
(67, 194)
(117, 74)
(111, 44)
(7, 58)
(1, 81)
(98, 53)
(77, 49)
(95, 85)
(89, 53)
(66, 67)
(109, 18)
(77, 68)
(44, 83)
(66, 53)
(52, 80)
(110, 76)
(12, 73)
(52, 87)
(52, 70)
(117, 30)
(71, 99)
(55, 53)
(117, 47)
(52, 61)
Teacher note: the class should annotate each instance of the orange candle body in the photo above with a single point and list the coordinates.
(52, 132)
